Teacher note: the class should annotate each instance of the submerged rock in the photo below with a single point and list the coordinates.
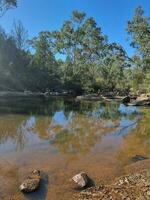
(138, 158)
(32, 182)
(81, 179)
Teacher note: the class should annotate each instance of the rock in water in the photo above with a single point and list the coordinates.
(32, 182)
(138, 158)
(81, 179)
(126, 100)
(143, 100)
(29, 185)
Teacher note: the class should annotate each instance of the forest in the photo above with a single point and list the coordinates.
(78, 57)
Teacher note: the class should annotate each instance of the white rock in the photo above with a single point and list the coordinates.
(81, 179)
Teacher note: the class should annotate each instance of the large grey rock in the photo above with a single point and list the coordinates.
(81, 179)
(32, 182)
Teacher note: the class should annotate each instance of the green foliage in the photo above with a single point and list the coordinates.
(6, 5)
(82, 44)
(90, 63)
(20, 35)
(13, 63)
(43, 65)
(139, 31)
(145, 87)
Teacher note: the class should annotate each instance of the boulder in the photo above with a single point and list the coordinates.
(143, 97)
(32, 182)
(81, 179)
(142, 100)
(126, 100)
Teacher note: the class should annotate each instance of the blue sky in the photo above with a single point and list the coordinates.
(110, 15)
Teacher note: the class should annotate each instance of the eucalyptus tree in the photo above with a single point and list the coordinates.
(6, 5)
(81, 42)
(138, 30)
(43, 64)
(13, 63)
(20, 35)
(113, 67)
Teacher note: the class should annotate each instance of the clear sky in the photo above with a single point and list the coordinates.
(111, 15)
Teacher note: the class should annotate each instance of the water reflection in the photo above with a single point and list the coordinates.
(59, 118)
(69, 126)
(125, 125)
(137, 143)
(127, 110)
(62, 136)
(79, 136)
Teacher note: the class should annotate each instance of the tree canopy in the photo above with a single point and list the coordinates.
(77, 57)
(139, 33)
(6, 5)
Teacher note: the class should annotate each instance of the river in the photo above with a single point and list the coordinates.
(61, 137)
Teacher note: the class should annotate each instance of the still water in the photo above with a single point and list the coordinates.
(62, 137)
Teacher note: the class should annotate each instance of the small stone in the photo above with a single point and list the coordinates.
(31, 183)
(81, 179)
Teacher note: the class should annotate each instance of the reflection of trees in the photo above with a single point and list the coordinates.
(84, 122)
(9, 129)
(48, 107)
(79, 136)
(25, 128)
(138, 142)
(41, 126)
(87, 126)
(110, 112)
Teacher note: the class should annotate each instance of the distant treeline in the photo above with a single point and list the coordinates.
(78, 57)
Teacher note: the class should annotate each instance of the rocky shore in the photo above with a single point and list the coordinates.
(135, 186)
(142, 100)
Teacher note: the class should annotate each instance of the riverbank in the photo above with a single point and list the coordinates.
(33, 94)
(134, 186)
(86, 97)
(6, 94)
